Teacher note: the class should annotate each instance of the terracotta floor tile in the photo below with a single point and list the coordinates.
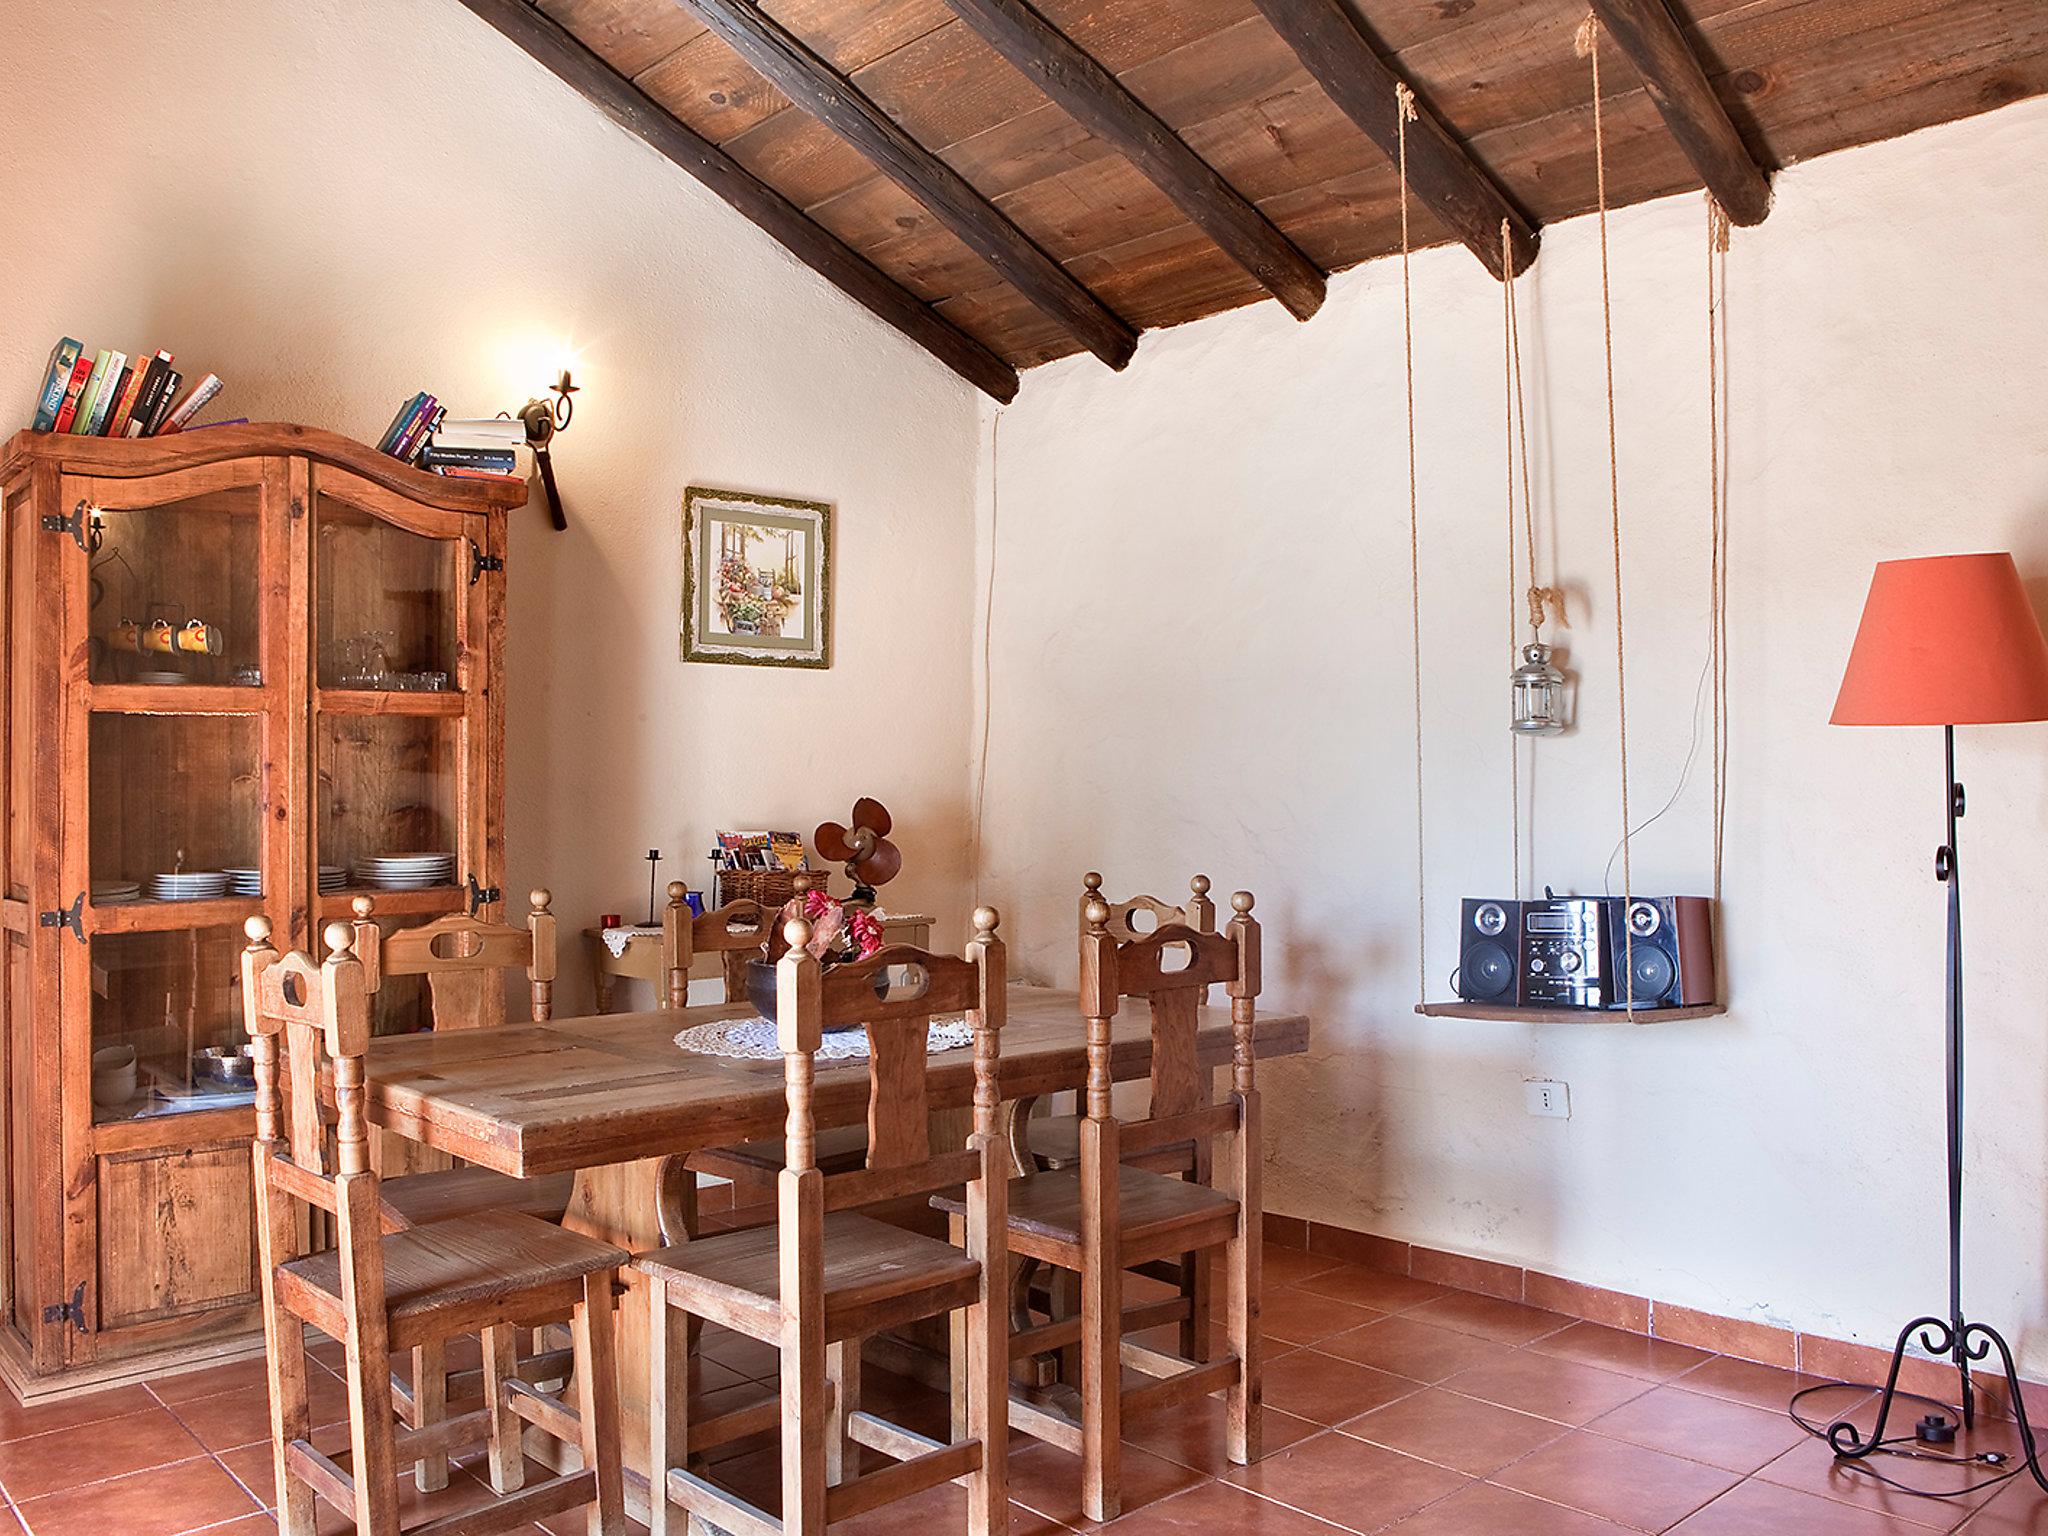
(1457, 1432)
(1291, 1266)
(2020, 1509)
(1557, 1389)
(1327, 1390)
(1350, 1483)
(1812, 1467)
(1744, 1381)
(158, 1502)
(230, 1419)
(1486, 1510)
(1373, 1288)
(1732, 1436)
(1505, 1322)
(1302, 1317)
(1617, 1481)
(1764, 1509)
(45, 1463)
(234, 1376)
(1211, 1509)
(1047, 1480)
(1420, 1351)
(18, 1422)
(1613, 1349)
(1193, 1433)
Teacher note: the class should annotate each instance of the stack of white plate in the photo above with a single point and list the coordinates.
(405, 871)
(191, 885)
(244, 881)
(332, 878)
(107, 893)
(161, 679)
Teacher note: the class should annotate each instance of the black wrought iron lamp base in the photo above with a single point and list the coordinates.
(1967, 1344)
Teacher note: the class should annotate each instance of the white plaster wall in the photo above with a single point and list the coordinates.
(334, 204)
(1201, 661)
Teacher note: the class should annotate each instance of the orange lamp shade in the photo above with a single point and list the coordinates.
(1947, 640)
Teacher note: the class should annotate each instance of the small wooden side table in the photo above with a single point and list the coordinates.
(641, 957)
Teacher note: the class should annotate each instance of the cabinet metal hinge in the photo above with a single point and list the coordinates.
(479, 562)
(480, 896)
(83, 525)
(72, 1311)
(72, 917)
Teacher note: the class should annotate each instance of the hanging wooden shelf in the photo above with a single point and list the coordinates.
(1499, 1014)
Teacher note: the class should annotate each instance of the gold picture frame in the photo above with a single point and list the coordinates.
(742, 608)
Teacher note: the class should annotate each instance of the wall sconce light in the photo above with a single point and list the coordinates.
(543, 417)
(1539, 693)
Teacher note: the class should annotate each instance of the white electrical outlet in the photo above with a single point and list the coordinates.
(1551, 1100)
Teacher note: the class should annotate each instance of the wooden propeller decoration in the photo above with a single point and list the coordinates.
(870, 858)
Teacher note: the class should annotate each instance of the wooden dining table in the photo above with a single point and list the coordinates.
(615, 1100)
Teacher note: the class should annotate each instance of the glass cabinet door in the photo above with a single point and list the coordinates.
(181, 726)
(399, 709)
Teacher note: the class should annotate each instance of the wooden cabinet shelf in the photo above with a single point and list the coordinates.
(1496, 1014)
(235, 658)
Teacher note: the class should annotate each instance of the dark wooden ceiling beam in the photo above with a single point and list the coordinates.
(1647, 33)
(584, 72)
(1454, 186)
(1102, 104)
(814, 85)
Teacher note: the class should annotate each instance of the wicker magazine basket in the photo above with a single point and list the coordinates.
(770, 887)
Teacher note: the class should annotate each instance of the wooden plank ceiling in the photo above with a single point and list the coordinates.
(1795, 78)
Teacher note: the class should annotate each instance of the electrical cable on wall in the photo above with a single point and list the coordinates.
(988, 611)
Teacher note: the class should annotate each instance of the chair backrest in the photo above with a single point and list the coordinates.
(1198, 912)
(1172, 968)
(736, 932)
(894, 995)
(461, 957)
(307, 1015)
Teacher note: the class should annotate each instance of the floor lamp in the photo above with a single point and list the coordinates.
(1947, 641)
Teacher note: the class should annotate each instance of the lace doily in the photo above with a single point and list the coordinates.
(616, 939)
(754, 1040)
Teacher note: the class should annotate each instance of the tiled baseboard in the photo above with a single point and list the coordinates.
(1835, 1359)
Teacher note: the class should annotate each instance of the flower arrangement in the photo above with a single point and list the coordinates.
(839, 933)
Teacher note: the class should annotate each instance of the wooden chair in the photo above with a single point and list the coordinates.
(1105, 1216)
(825, 1276)
(463, 959)
(736, 932)
(376, 1291)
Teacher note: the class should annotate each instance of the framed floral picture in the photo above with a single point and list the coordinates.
(757, 579)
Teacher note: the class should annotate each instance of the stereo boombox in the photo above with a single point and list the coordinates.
(1592, 952)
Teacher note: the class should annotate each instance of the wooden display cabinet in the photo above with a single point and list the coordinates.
(348, 706)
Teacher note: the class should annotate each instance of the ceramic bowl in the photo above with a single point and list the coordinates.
(113, 1075)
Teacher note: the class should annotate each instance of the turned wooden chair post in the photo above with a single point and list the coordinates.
(800, 1221)
(1102, 1301)
(987, 1363)
(1238, 1175)
(677, 951)
(540, 971)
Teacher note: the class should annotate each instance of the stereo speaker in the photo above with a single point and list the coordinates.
(1487, 942)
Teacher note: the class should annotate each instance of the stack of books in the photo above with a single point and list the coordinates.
(482, 447)
(110, 394)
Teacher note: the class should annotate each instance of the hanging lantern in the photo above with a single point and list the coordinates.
(1539, 693)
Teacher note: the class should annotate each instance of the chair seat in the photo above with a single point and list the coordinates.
(1156, 1215)
(753, 1164)
(1056, 1143)
(448, 1269)
(419, 1198)
(876, 1275)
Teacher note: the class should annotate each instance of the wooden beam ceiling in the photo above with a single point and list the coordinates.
(1328, 41)
(1102, 104)
(1646, 32)
(625, 104)
(813, 84)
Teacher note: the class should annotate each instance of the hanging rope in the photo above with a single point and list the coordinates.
(1717, 523)
(1404, 113)
(1588, 45)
